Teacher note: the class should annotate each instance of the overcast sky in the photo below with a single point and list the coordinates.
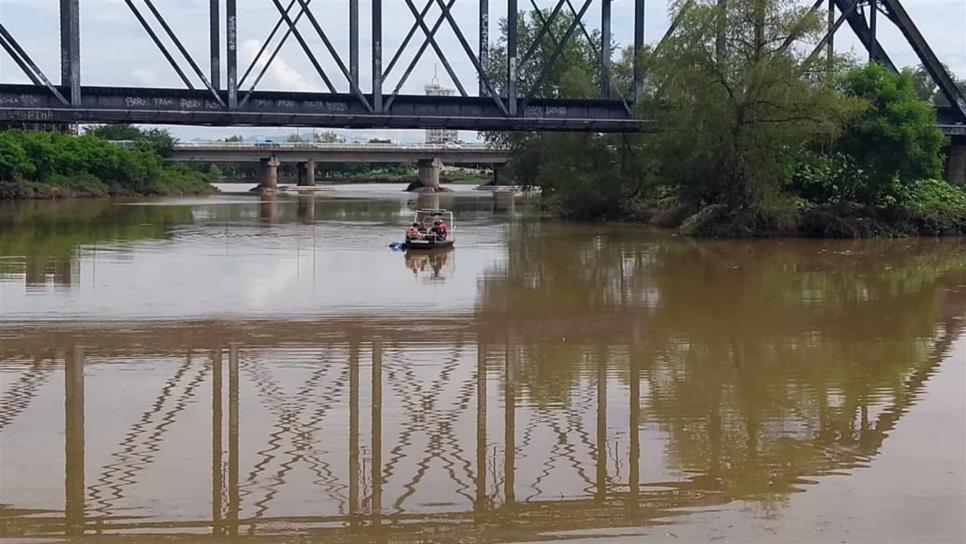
(116, 51)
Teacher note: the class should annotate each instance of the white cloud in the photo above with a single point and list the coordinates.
(145, 77)
(280, 74)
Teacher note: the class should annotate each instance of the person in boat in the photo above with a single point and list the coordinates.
(413, 232)
(439, 230)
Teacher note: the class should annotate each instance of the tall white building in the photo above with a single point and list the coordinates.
(439, 135)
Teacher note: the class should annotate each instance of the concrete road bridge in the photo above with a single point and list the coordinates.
(368, 89)
(428, 157)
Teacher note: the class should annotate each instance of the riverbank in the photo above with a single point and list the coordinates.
(928, 208)
(47, 165)
(85, 187)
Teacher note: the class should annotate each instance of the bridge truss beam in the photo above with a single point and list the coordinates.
(33, 104)
(505, 102)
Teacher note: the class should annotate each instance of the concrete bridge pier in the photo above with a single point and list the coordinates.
(956, 162)
(429, 173)
(496, 175)
(305, 209)
(269, 174)
(306, 173)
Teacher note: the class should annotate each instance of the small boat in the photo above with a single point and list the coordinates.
(428, 239)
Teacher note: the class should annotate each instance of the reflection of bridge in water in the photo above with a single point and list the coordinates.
(432, 447)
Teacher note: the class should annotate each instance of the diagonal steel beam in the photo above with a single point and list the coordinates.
(544, 22)
(271, 58)
(674, 25)
(24, 67)
(861, 29)
(937, 71)
(184, 51)
(583, 29)
(353, 86)
(799, 26)
(480, 71)
(419, 53)
(439, 51)
(553, 58)
(846, 10)
(409, 36)
(540, 33)
(157, 41)
(268, 41)
(26, 64)
(305, 47)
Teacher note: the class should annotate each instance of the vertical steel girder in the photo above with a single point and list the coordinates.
(873, 24)
(70, 48)
(484, 47)
(720, 44)
(512, 20)
(638, 47)
(214, 40)
(354, 42)
(377, 55)
(830, 53)
(605, 49)
(231, 49)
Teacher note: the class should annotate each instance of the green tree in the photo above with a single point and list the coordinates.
(582, 175)
(928, 91)
(574, 72)
(235, 138)
(214, 172)
(156, 139)
(327, 137)
(731, 117)
(895, 141)
(14, 162)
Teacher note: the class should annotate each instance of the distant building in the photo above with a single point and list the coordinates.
(439, 135)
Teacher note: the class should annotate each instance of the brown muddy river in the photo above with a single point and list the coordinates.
(207, 369)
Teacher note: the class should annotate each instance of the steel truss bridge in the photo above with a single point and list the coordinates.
(218, 96)
(357, 373)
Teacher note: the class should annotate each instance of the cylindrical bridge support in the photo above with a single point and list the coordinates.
(269, 174)
(429, 173)
(306, 173)
(74, 515)
(956, 162)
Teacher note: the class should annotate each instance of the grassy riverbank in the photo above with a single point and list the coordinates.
(46, 165)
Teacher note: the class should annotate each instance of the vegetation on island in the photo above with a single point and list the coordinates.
(56, 165)
(759, 133)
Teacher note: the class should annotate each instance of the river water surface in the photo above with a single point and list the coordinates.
(211, 368)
